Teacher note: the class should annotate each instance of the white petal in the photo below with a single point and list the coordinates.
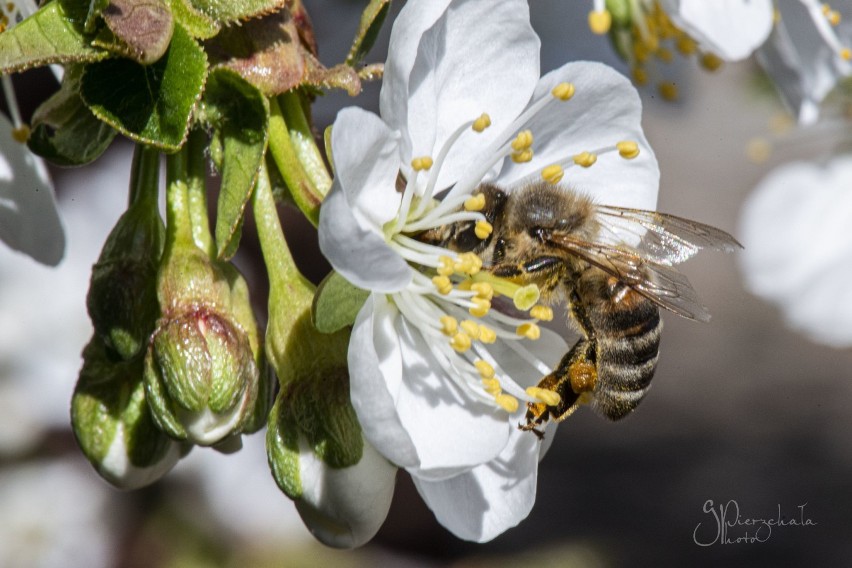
(795, 206)
(345, 508)
(29, 220)
(375, 378)
(460, 68)
(451, 430)
(117, 468)
(731, 29)
(491, 498)
(604, 110)
(356, 250)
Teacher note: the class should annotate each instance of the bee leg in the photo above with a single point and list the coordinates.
(575, 375)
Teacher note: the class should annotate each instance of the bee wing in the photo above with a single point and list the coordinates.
(660, 283)
(668, 239)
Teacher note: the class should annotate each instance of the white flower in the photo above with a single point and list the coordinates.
(438, 378)
(808, 52)
(29, 221)
(795, 228)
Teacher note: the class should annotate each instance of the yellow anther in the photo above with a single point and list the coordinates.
(529, 330)
(826, 9)
(486, 334)
(563, 91)
(585, 159)
(668, 91)
(421, 163)
(483, 290)
(475, 202)
(482, 229)
(686, 45)
(21, 134)
(548, 397)
(486, 371)
(834, 18)
(471, 328)
(492, 386)
(449, 325)
(522, 141)
(465, 285)
(460, 342)
(480, 308)
(523, 156)
(627, 149)
(710, 61)
(443, 284)
(542, 313)
(468, 263)
(447, 266)
(640, 76)
(481, 123)
(845, 54)
(526, 297)
(776, 16)
(552, 174)
(600, 22)
(507, 402)
(665, 55)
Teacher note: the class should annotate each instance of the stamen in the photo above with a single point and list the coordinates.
(483, 290)
(468, 263)
(405, 205)
(522, 141)
(471, 328)
(492, 386)
(475, 202)
(21, 134)
(628, 149)
(529, 330)
(449, 325)
(481, 123)
(548, 397)
(522, 156)
(563, 91)
(668, 90)
(585, 159)
(507, 402)
(447, 266)
(460, 342)
(600, 22)
(443, 284)
(480, 308)
(542, 313)
(486, 334)
(824, 22)
(421, 163)
(553, 174)
(710, 61)
(486, 371)
(483, 229)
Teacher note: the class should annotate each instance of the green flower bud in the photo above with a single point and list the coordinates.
(122, 299)
(112, 424)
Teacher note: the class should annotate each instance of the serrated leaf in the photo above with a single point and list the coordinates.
(371, 22)
(64, 130)
(199, 25)
(143, 26)
(242, 119)
(336, 303)
(51, 35)
(150, 104)
(227, 11)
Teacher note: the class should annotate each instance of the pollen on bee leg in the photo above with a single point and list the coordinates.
(486, 371)
(482, 229)
(529, 330)
(460, 342)
(628, 149)
(421, 163)
(475, 202)
(507, 402)
(526, 297)
(548, 397)
(481, 307)
(443, 284)
(542, 313)
(585, 159)
(481, 123)
(552, 174)
(563, 91)
(449, 325)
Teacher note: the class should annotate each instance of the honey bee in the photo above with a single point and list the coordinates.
(566, 244)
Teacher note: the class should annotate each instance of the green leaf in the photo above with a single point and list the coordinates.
(242, 115)
(227, 11)
(51, 35)
(64, 130)
(142, 27)
(282, 448)
(199, 25)
(336, 303)
(149, 104)
(371, 22)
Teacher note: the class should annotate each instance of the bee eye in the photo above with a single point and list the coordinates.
(499, 249)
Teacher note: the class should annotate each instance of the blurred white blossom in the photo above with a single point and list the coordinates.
(798, 246)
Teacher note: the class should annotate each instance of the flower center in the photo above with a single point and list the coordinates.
(450, 298)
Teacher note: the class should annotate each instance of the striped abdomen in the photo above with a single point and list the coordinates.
(626, 328)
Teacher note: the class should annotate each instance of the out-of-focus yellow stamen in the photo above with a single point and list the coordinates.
(529, 330)
(640, 76)
(845, 54)
(552, 174)
(668, 91)
(507, 402)
(585, 159)
(421, 163)
(21, 134)
(563, 91)
(548, 397)
(600, 22)
(627, 149)
(710, 61)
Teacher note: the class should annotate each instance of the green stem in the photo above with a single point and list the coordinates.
(196, 182)
(144, 176)
(305, 194)
(178, 219)
(302, 137)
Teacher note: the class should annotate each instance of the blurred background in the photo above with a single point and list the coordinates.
(742, 412)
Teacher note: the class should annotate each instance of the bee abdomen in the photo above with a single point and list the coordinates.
(628, 343)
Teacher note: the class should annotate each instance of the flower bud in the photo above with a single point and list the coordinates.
(122, 298)
(112, 424)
